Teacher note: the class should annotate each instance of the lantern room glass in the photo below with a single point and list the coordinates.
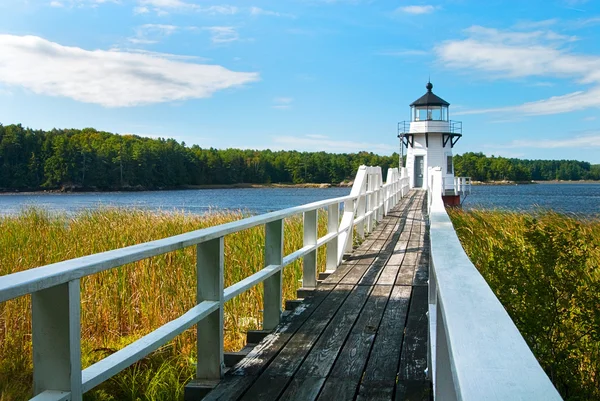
(429, 113)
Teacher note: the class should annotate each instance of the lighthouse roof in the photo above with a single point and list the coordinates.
(429, 99)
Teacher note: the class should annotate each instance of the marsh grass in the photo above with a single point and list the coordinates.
(121, 305)
(544, 267)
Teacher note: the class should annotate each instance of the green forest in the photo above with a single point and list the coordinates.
(96, 160)
(482, 168)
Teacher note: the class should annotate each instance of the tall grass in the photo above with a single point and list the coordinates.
(120, 305)
(545, 269)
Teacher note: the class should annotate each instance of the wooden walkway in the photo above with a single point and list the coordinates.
(361, 335)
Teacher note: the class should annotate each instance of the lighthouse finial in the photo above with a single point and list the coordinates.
(429, 85)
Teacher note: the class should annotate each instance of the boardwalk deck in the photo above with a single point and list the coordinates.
(361, 335)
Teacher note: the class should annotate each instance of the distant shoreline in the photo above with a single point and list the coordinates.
(533, 182)
(74, 190)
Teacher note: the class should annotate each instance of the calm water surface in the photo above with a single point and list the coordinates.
(581, 199)
(254, 200)
(569, 198)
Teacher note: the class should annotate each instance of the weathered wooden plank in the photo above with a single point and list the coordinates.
(275, 377)
(339, 389)
(303, 388)
(380, 374)
(413, 360)
(267, 387)
(354, 276)
(407, 270)
(388, 275)
(339, 273)
(365, 259)
(230, 388)
(320, 359)
(352, 357)
(413, 390)
(267, 349)
(291, 356)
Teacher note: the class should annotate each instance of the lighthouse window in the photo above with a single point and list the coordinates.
(436, 113)
(449, 169)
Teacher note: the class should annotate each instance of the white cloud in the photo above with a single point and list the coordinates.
(108, 78)
(282, 103)
(163, 7)
(80, 3)
(515, 54)
(215, 10)
(428, 9)
(256, 11)
(222, 34)
(154, 33)
(319, 143)
(585, 141)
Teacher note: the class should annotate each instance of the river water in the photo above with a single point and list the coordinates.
(581, 199)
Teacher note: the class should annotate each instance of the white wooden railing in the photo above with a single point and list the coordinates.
(475, 350)
(55, 288)
(456, 185)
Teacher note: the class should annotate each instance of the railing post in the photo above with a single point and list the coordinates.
(369, 202)
(272, 298)
(209, 268)
(309, 264)
(349, 210)
(362, 206)
(56, 332)
(333, 221)
(380, 196)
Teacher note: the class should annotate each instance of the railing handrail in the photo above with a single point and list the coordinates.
(476, 351)
(55, 288)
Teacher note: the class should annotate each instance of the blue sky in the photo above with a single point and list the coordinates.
(332, 75)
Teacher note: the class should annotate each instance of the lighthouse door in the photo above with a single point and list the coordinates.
(419, 167)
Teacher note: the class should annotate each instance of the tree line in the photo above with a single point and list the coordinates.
(90, 159)
(483, 168)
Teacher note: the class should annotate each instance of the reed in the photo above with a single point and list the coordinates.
(123, 304)
(545, 269)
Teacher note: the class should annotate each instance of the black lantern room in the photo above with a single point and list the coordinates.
(429, 107)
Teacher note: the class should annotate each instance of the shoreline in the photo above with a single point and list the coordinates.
(72, 190)
(532, 182)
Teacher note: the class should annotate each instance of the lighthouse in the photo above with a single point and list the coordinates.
(429, 138)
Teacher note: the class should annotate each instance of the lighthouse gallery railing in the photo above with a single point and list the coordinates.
(55, 289)
(475, 350)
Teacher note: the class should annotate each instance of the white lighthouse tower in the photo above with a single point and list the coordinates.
(429, 137)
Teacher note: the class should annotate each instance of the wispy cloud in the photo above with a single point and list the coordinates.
(51, 69)
(153, 33)
(518, 54)
(222, 34)
(585, 141)
(282, 103)
(257, 11)
(80, 3)
(414, 9)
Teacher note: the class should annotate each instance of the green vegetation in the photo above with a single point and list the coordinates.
(90, 159)
(123, 304)
(545, 269)
(482, 168)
